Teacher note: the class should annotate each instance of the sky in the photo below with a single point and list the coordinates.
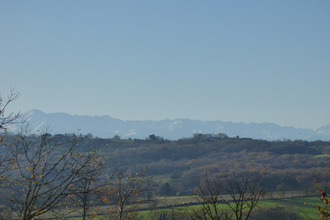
(239, 61)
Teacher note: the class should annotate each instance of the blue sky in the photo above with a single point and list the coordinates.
(241, 61)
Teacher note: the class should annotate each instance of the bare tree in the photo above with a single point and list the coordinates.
(5, 120)
(244, 191)
(240, 192)
(208, 194)
(127, 192)
(45, 174)
(89, 185)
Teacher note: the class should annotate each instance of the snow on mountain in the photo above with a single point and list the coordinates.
(106, 126)
(325, 130)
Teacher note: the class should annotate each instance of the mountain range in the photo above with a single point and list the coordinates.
(107, 127)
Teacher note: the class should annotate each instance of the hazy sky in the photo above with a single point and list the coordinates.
(241, 61)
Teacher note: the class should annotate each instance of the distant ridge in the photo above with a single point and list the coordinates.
(107, 127)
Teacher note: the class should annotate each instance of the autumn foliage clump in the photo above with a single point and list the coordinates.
(323, 209)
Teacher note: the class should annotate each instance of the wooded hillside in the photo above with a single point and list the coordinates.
(180, 164)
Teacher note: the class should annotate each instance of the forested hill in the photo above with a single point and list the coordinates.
(291, 165)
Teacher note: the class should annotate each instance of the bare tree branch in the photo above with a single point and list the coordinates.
(11, 118)
(44, 174)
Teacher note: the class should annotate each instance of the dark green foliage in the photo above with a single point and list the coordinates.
(165, 189)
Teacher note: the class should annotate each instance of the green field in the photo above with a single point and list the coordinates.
(306, 207)
(322, 155)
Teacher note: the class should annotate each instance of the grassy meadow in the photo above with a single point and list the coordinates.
(306, 207)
